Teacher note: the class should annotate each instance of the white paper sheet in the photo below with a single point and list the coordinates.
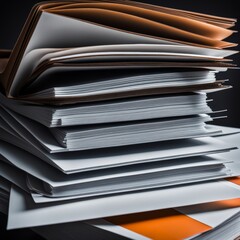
(47, 35)
(74, 162)
(24, 213)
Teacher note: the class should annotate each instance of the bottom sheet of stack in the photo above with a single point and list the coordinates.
(200, 210)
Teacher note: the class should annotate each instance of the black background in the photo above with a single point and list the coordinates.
(14, 13)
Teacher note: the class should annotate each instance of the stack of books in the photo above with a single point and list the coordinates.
(105, 124)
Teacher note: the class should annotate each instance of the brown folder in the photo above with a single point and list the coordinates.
(53, 27)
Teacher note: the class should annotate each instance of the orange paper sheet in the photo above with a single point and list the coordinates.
(161, 225)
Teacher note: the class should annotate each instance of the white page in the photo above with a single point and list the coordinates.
(55, 179)
(24, 213)
(65, 54)
(200, 213)
(133, 56)
(18, 124)
(123, 83)
(228, 230)
(28, 146)
(74, 162)
(115, 85)
(79, 91)
(113, 111)
(130, 127)
(234, 155)
(223, 130)
(144, 184)
(210, 217)
(131, 158)
(39, 169)
(132, 115)
(113, 135)
(117, 173)
(69, 33)
(87, 54)
(45, 138)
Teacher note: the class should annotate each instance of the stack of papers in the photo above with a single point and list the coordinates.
(104, 118)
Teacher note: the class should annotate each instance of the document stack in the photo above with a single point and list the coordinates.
(105, 124)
